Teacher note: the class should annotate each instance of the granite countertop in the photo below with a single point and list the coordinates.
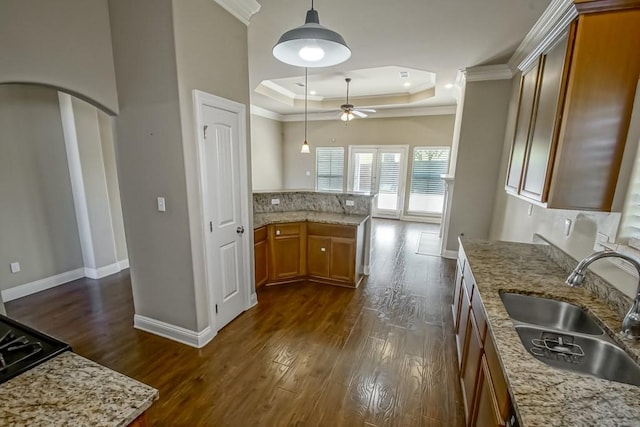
(542, 395)
(70, 390)
(261, 219)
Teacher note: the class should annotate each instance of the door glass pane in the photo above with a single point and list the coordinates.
(389, 181)
(362, 172)
(427, 188)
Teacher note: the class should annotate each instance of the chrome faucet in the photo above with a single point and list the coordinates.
(631, 322)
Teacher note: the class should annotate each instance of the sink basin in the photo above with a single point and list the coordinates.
(581, 354)
(550, 313)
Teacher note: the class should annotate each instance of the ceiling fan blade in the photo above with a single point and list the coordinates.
(367, 110)
(359, 113)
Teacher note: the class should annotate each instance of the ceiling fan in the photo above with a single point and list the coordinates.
(349, 111)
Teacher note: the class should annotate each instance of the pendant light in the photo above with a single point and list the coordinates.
(311, 45)
(305, 144)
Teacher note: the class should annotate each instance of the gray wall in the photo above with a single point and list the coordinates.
(106, 124)
(163, 50)
(37, 218)
(412, 131)
(211, 56)
(61, 43)
(481, 141)
(150, 161)
(266, 154)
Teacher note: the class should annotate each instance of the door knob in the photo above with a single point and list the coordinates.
(240, 230)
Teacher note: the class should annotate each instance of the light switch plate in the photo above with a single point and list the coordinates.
(275, 201)
(162, 207)
(350, 203)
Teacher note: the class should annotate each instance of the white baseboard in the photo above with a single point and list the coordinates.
(124, 264)
(42, 284)
(99, 273)
(367, 270)
(420, 218)
(172, 332)
(253, 300)
(450, 254)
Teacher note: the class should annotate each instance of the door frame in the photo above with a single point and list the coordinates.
(200, 99)
(402, 187)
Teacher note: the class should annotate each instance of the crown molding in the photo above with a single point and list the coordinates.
(267, 114)
(241, 9)
(487, 72)
(555, 19)
(380, 114)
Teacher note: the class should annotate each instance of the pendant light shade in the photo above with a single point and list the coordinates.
(311, 45)
(305, 148)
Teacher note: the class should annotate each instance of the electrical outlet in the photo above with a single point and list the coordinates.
(162, 206)
(275, 201)
(308, 173)
(350, 203)
(15, 267)
(567, 227)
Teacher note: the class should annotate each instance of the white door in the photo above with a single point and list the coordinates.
(226, 240)
(380, 170)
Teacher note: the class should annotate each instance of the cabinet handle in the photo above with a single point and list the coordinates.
(323, 250)
(277, 232)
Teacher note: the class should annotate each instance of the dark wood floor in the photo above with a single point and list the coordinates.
(306, 355)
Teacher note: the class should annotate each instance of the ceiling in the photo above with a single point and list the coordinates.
(386, 37)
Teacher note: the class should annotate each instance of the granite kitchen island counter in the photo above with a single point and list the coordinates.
(261, 219)
(542, 395)
(70, 390)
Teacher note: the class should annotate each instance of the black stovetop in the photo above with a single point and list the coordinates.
(22, 348)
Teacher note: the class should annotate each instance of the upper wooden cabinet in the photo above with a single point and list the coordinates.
(574, 111)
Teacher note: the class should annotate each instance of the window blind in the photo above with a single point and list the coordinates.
(427, 188)
(329, 168)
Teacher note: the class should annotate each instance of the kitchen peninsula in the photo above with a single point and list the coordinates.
(308, 235)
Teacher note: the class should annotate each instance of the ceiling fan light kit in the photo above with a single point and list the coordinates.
(311, 45)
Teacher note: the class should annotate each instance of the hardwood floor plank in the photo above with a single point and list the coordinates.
(307, 355)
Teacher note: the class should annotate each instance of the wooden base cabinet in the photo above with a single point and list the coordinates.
(329, 253)
(261, 254)
(484, 388)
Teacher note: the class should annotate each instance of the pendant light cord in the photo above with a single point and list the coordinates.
(311, 4)
(305, 100)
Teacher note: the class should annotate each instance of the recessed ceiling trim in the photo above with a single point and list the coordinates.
(556, 17)
(241, 9)
(488, 72)
(267, 114)
(380, 114)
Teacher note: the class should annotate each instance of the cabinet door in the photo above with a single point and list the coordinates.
(523, 124)
(318, 248)
(285, 257)
(457, 298)
(342, 259)
(541, 149)
(471, 364)
(261, 262)
(465, 307)
(485, 411)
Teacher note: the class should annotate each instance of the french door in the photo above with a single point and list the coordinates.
(380, 170)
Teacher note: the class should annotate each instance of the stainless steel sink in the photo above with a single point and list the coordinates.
(579, 353)
(550, 313)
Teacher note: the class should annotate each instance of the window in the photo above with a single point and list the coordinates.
(329, 168)
(427, 188)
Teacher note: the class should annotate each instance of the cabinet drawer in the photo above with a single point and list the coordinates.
(333, 230)
(260, 234)
(292, 229)
(497, 378)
